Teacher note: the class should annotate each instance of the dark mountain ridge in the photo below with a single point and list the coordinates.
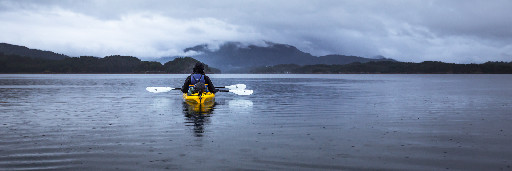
(229, 57)
(237, 57)
(231, 53)
(9, 49)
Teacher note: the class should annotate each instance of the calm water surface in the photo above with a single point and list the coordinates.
(291, 122)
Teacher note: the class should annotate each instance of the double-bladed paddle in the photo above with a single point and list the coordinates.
(238, 89)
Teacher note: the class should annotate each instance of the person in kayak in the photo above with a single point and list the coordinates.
(198, 76)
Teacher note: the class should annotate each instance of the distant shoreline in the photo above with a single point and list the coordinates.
(271, 73)
(13, 64)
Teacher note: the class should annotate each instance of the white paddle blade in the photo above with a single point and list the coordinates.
(159, 89)
(236, 87)
(242, 92)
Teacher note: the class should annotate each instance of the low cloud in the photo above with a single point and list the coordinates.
(470, 32)
(138, 34)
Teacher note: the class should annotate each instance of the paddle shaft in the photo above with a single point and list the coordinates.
(216, 89)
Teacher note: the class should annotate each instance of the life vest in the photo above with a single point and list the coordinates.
(195, 78)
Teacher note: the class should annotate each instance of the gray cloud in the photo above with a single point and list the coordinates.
(452, 31)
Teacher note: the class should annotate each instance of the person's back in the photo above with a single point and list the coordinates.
(198, 78)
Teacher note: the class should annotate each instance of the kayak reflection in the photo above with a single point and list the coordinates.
(240, 105)
(197, 114)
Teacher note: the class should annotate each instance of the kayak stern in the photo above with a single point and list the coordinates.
(195, 98)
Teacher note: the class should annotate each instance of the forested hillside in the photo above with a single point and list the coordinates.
(89, 64)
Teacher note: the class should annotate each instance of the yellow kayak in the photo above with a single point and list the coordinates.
(199, 108)
(195, 98)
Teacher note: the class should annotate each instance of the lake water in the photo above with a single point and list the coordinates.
(291, 122)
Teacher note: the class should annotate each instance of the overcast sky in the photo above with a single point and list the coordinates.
(460, 31)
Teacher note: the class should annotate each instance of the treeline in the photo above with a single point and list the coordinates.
(389, 67)
(89, 64)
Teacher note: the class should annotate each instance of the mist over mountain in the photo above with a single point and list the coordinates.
(235, 58)
(228, 57)
(9, 49)
(239, 57)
